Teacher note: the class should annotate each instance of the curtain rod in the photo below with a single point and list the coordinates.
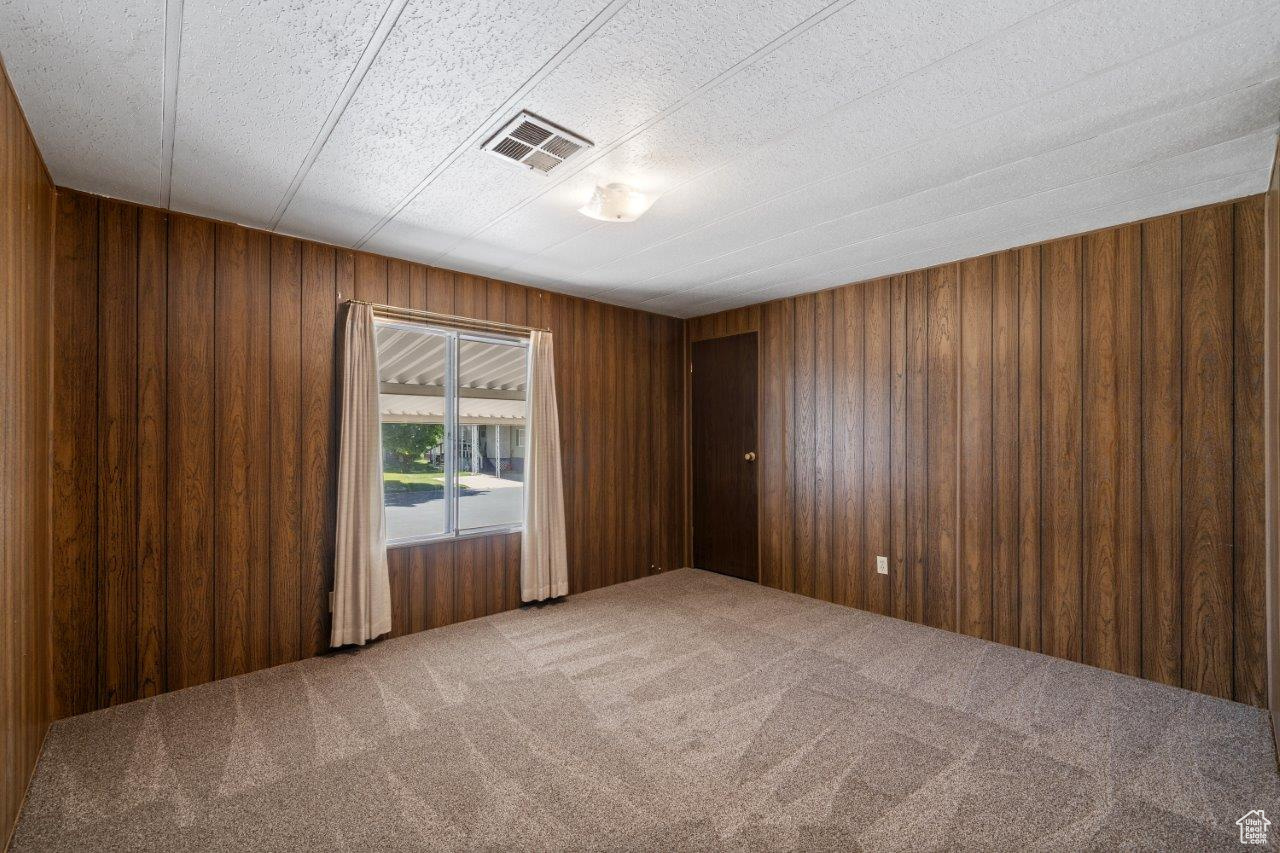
(445, 319)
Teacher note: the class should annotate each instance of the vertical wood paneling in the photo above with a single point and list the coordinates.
(1271, 434)
(876, 443)
(637, 520)
(898, 445)
(590, 439)
(1207, 505)
(822, 445)
(805, 444)
(191, 376)
(655, 448)
(1005, 448)
(441, 596)
(568, 344)
(399, 282)
(850, 498)
(624, 369)
(1030, 461)
(1250, 657)
(470, 561)
(669, 448)
(1112, 422)
(590, 323)
(916, 443)
(1062, 462)
(286, 448)
(976, 465)
(627, 560)
(1032, 410)
(232, 523)
(942, 363)
(1162, 450)
(153, 467)
(243, 472)
(612, 378)
(75, 458)
(27, 222)
(318, 444)
(260, 469)
(117, 460)
(674, 500)
(371, 278)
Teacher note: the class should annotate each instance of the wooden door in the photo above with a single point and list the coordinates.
(723, 454)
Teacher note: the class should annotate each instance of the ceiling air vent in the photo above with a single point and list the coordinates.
(535, 143)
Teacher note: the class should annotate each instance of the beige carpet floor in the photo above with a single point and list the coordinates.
(684, 711)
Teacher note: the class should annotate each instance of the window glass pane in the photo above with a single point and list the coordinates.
(490, 440)
(412, 367)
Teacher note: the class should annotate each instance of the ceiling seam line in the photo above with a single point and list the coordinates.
(961, 179)
(386, 24)
(498, 114)
(1220, 178)
(995, 115)
(721, 78)
(172, 62)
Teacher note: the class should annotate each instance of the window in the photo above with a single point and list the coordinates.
(453, 407)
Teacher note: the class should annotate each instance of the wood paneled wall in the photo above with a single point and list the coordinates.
(195, 448)
(1058, 447)
(26, 231)
(1272, 407)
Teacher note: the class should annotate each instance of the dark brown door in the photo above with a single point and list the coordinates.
(724, 456)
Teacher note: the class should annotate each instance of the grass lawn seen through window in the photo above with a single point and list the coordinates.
(419, 476)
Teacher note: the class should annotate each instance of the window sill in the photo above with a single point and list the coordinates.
(454, 537)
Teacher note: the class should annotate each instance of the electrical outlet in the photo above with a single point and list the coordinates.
(882, 565)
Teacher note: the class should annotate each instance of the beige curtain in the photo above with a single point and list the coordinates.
(361, 586)
(544, 565)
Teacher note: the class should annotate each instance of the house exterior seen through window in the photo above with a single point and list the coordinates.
(453, 407)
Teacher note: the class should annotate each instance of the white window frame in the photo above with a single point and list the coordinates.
(452, 338)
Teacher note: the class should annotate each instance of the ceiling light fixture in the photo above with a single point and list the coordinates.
(616, 203)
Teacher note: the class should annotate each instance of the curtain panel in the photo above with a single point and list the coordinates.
(544, 564)
(361, 584)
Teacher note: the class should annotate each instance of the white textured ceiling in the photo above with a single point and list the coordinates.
(795, 144)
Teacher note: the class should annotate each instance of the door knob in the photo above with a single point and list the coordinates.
(750, 456)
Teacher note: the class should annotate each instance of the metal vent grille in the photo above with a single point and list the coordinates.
(542, 161)
(511, 148)
(560, 147)
(535, 143)
(531, 133)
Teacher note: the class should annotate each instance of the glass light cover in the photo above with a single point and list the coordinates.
(616, 203)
